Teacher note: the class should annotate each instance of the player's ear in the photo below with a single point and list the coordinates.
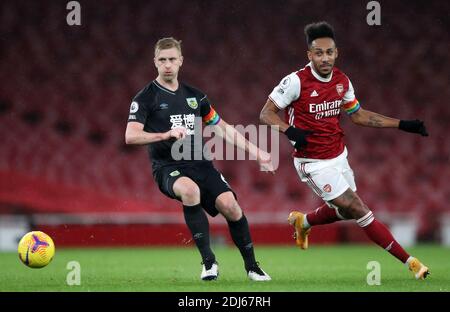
(309, 54)
(181, 60)
(337, 53)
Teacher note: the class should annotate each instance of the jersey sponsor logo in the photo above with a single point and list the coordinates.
(325, 109)
(186, 121)
(327, 188)
(314, 93)
(174, 173)
(163, 106)
(192, 102)
(340, 88)
(134, 107)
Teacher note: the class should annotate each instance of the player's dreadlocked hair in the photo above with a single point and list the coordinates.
(318, 30)
(167, 43)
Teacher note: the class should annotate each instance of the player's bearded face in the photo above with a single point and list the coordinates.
(168, 63)
(323, 54)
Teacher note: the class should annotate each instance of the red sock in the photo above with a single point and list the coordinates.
(322, 215)
(380, 235)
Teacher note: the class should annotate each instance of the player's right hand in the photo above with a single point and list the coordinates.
(265, 162)
(298, 136)
(177, 133)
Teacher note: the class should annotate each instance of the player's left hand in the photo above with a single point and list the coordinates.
(413, 126)
(265, 162)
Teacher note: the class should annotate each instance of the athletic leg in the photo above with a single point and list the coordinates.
(228, 206)
(197, 222)
(350, 202)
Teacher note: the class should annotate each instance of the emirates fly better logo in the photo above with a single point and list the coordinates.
(326, 109)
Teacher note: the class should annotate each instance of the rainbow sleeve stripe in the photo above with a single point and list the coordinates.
(352, 107)
(212, 118)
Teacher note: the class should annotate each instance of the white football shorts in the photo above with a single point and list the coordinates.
(328, 178)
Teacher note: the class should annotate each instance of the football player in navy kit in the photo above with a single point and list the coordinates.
(165, 111)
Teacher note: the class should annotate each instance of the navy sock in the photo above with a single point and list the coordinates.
(198, 224)
(240, 233)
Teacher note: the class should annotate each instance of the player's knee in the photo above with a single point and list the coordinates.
(230, 209)
(190, 194)
(344, 213)
(358, 209)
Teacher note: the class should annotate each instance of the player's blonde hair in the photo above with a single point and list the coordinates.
(167, 43)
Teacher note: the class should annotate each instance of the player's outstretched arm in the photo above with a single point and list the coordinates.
(269, 116)
(232, 136)
(370, 119)
(135, 134)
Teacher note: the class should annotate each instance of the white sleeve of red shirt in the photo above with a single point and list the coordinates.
(287, 91)
(349, 96)
(350, 103)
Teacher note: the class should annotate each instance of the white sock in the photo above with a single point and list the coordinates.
(306, 225)
(408, 261)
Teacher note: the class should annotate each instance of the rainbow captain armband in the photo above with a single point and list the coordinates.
(212, 118)
(352, 107)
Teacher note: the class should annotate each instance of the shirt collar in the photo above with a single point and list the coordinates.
(317, 76)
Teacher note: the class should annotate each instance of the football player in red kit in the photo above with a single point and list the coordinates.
(313, 99)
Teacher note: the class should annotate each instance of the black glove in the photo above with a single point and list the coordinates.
(298, 136)
(414, 126)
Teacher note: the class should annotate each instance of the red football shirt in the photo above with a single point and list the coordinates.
(314, 103)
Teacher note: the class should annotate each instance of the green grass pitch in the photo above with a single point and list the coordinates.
(320, 268)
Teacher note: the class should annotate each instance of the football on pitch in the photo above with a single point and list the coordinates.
(36, 249)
